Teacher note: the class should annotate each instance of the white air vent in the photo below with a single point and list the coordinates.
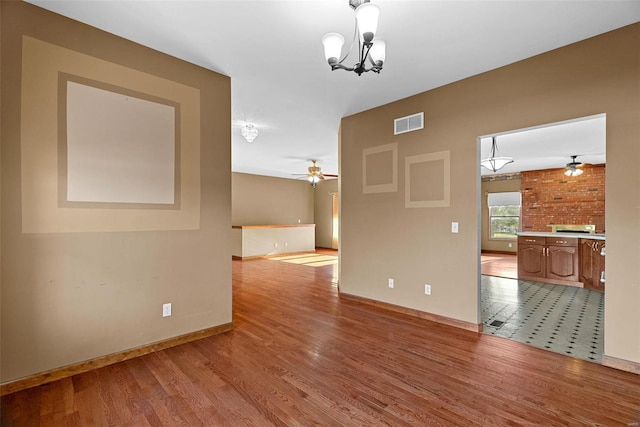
(408, 123)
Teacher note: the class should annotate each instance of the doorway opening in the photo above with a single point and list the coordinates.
(549, 303)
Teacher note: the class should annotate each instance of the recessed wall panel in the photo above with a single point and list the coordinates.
(120, 148)
(427, 180)
(380, 169)
(149, 180)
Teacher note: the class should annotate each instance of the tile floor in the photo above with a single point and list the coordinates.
(562, 319)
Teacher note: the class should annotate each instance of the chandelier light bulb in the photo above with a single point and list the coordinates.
(378, 51)
(367, 17)
(333, 43)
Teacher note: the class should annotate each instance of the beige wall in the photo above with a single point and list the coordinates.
(495, 187)
(258, 241)
(264, 200)
(381, 238)
(71, 296)
(323, 212)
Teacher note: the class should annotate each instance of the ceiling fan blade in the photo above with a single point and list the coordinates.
(330, 175)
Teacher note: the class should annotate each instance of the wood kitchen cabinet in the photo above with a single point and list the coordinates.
(591, 263)
(531, 257)
(549, 259)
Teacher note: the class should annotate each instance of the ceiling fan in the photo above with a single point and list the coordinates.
(315, 175)
(574, 167)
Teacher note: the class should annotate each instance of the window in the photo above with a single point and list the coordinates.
(504, 215)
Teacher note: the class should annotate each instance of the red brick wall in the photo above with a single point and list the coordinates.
(550, 197)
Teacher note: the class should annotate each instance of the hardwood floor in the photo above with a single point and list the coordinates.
(499, 265)
(300, 356)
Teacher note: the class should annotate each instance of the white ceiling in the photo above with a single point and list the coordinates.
(282, 84)
(550, 146)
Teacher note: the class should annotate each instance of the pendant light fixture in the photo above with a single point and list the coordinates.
(369, 46)
(573, 167)
(249, 132)
(495, 162)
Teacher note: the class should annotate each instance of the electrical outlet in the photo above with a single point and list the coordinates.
(510, 245)
(166, 309)
(286, 244)
(391, 283)
(427, 289)
(275, 245)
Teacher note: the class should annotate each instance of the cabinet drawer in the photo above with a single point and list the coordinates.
(562, 241)
(531, 240)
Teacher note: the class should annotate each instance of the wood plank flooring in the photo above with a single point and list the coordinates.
(499, 265)
(301, 356)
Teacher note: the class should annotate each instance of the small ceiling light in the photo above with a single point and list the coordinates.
(495, 162)
(369, 46)
(249, 132)
(573, 167)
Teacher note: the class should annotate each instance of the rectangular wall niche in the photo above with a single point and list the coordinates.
(427, 180)
(380, 169)
(120, 148)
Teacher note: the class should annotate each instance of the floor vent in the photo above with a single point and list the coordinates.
(408, 123)
(496, 323)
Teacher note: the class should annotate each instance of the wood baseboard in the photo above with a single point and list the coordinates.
(110, 359)
(623, 365)
(473, 327)
(514, 252)
(246, 258)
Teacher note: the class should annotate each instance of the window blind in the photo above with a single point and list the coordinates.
(509, 198)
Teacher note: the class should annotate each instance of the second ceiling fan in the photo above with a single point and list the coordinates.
(315, 175)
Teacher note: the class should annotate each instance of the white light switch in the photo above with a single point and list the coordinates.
(166, 309)
(454, 227)
(391, 283)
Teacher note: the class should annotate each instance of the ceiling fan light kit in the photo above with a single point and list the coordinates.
(249, 132)
(370, 47)
(573, 168)
(314, 174)
(495, 162)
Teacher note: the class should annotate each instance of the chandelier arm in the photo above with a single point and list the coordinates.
(353, 41)
(365, 55)
(338, 66)
(374, 67)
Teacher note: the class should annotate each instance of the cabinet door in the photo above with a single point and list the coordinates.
(588, 273)
(531, 261)
(562, 263)
(598, 285)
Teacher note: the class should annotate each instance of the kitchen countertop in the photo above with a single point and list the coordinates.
(550, 234)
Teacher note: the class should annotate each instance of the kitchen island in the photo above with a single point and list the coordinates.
(563, 258)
